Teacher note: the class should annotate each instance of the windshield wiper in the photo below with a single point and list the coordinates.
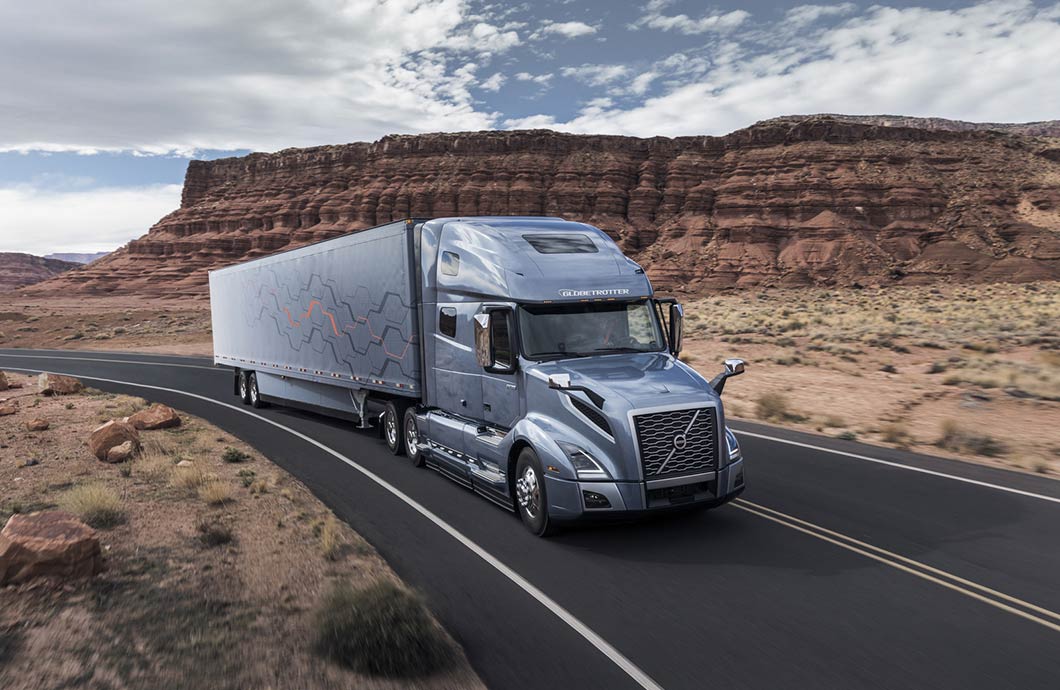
(560, 354)
(619, 349)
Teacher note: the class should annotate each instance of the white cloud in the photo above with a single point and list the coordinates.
(803, 15)
(568, 29)
(595, 75)
(994, 61)
(542, 79)
(38, 220)
(719, 22)
(494, 83)
(158, 76)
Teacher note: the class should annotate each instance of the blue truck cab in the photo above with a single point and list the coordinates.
(546, 374)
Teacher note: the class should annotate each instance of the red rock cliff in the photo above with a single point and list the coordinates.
(816, 201)
(17, 270)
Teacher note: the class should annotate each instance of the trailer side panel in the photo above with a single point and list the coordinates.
(340, 312)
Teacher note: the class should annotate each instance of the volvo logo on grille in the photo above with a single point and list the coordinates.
(680, 441)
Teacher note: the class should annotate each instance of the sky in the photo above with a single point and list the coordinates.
(103, 103)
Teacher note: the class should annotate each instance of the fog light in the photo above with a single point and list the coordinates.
(595, 500)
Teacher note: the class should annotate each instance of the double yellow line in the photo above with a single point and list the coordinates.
(992, 597)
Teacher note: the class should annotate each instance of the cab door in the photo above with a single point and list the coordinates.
(500, 378)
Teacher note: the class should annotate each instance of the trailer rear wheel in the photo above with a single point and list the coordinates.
(393, 431)
(244, 387)
(255, 396)
(412, 438)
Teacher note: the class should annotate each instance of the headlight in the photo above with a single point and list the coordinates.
(584, 464)
(733, 447)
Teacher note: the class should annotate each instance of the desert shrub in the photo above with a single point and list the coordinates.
(774, 406)
(895, 433)
(954, 438)
(936, 368)
(835, 421)
(247, 475)
(234, 455)
(215, 492)
(382, 630)
(888, 369)
(214, 533)
(847, 436)
(95, 504)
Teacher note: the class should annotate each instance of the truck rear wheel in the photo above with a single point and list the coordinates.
(530, 495)
(412, 438)
(393, 430)
(252, 391)
(243, 385)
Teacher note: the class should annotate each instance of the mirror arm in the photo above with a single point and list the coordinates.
(718, 382)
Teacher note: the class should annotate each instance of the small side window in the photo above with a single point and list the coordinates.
(450, 263)
(500, 337)
(447, 321)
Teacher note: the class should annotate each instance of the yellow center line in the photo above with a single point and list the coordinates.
(898, 563)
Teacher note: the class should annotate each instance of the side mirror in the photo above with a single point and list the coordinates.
(733, 367)
(677, 327)
(482, 340)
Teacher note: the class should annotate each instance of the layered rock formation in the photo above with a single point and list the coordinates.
(817, 201)
(1043, 128)
(17, 270)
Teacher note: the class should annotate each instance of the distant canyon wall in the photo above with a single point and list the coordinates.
(815, 201)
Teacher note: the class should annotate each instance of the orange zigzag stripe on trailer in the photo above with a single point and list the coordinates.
(352, 327)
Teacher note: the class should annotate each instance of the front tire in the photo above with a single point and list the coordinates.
(393, 432)
(531, 498)
(412, 438)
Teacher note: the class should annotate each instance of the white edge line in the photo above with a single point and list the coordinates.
(605, 648)
(902, 466)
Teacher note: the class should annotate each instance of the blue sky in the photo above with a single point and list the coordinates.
(105, 102)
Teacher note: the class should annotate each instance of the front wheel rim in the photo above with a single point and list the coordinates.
(243, 387)
(390, 425)
(411, 438)
(529, 492)
(253, 390)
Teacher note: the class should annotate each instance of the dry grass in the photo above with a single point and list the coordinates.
(216, 492)
(96, 504)
(330, 538)
(189, 477)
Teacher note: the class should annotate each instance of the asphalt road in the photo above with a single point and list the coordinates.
(890, 570)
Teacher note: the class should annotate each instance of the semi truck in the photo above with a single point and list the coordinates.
(526, 358)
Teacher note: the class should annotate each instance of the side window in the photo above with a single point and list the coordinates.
(450, 263)
(447, 321)
(500, 336)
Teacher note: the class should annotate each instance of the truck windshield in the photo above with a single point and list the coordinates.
(582, 330)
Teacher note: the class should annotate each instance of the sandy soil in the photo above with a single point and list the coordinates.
(170, 611)
(180, 327)
(968, 372)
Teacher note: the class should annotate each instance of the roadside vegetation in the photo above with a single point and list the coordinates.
(895, 366)
(220, 570)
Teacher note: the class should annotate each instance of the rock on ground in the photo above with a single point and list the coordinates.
(3, 381)
(50, 543)
(57, 384)
(157, 416)
(7, 409)
(37, 424)
(114, 435)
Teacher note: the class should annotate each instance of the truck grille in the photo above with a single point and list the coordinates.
(660, 435)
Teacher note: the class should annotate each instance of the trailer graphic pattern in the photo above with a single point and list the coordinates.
(343, 314)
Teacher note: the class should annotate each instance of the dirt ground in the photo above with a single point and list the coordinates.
(969, 372)
(169, 610)
(107, 323)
